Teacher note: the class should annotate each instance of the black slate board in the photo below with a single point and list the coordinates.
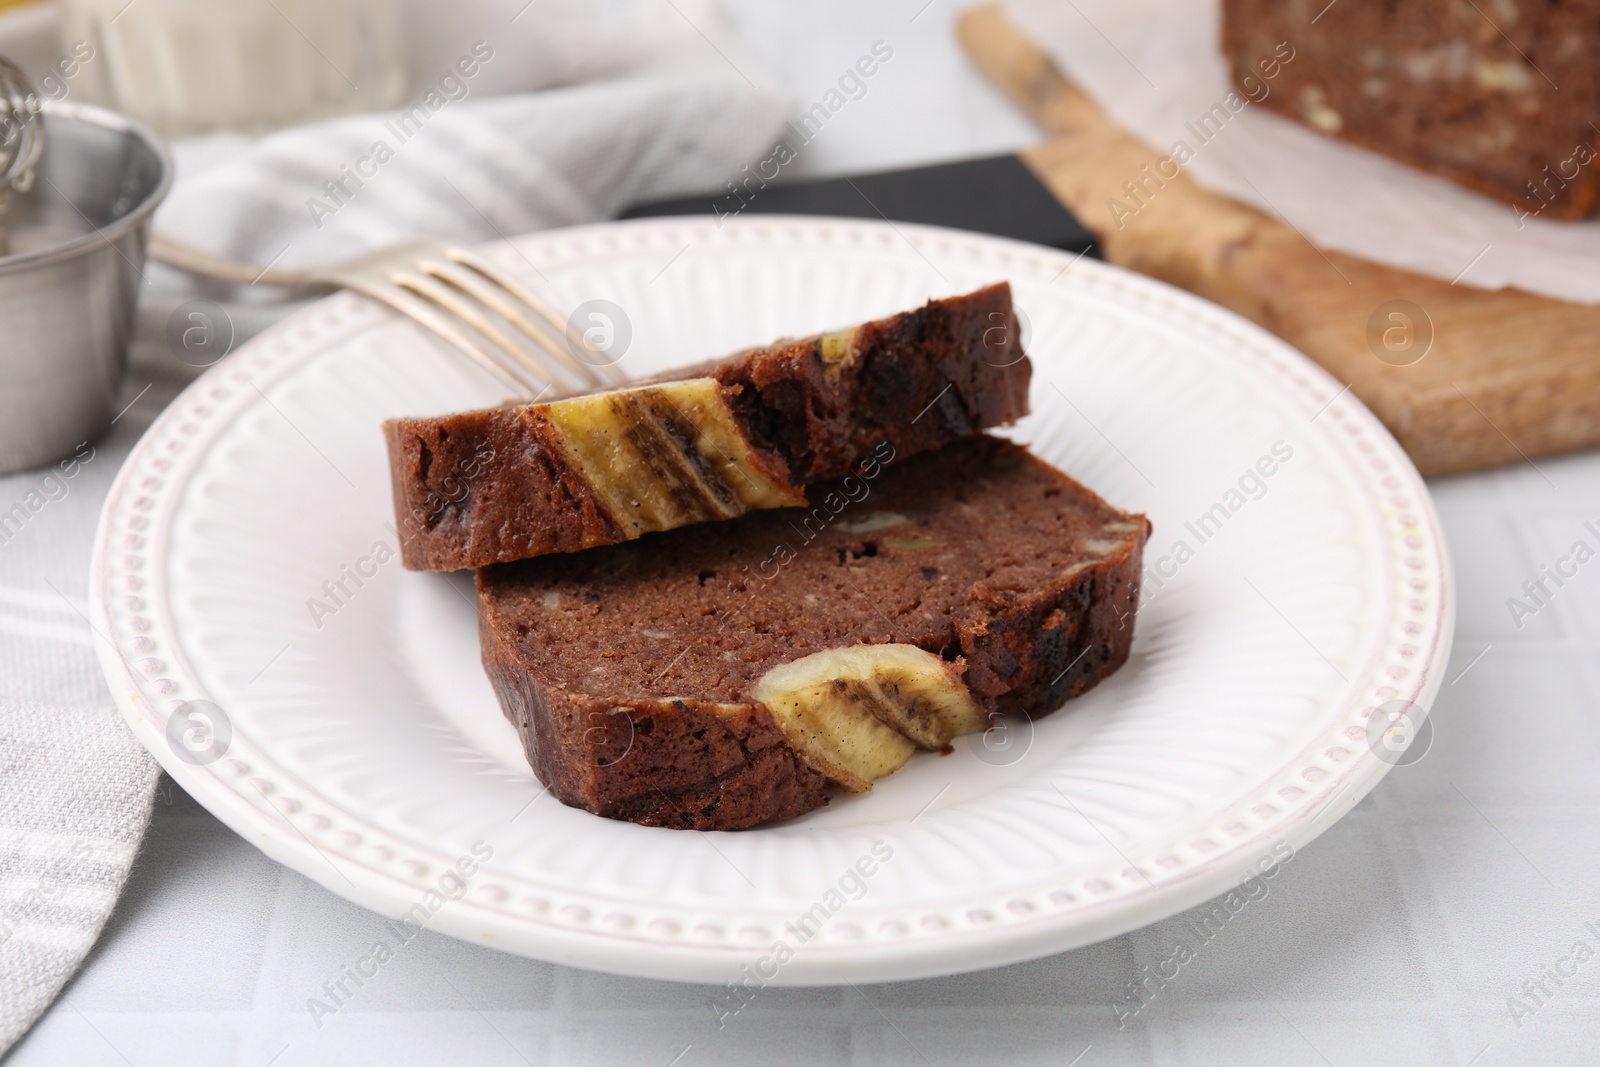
(995, 195)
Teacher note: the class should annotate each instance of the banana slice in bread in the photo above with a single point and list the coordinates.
(663, 456)
(856, 714)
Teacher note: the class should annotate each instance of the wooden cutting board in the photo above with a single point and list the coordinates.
(1506, 376)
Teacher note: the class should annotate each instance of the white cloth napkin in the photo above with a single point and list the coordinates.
(573, 111)
(672, 104)
(1156, 65)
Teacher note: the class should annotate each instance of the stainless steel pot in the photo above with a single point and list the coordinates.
(67, 308)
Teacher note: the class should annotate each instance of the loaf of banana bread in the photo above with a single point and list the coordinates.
(727, 675)
(1500, 95)
(722, 439)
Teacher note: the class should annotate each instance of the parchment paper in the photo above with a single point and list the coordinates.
(1156, 65)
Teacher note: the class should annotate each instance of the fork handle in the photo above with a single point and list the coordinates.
(164, 249)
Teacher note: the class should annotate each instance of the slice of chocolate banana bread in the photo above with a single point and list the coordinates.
(1466, 90)
(713, 443)
(721, 677)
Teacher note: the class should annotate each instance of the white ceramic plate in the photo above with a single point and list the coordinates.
(363, 747)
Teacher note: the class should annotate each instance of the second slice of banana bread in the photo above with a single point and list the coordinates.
(725, 676)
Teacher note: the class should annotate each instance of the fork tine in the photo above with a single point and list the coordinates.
(549, 340)
(418, 311)
(506, 347)
(593, 358)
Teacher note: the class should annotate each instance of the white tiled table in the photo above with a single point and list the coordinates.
(1397, 937)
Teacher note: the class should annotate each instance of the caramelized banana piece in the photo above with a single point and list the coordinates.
(836, 733)
(837, 351)
(856, 714)
(663, 456)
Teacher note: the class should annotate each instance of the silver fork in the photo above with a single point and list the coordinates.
(470, 303)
